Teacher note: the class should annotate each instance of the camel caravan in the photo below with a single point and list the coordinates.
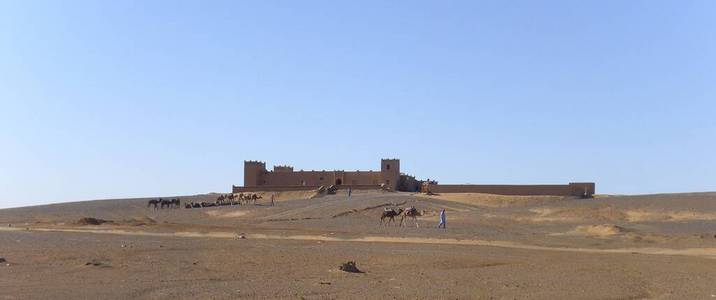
(162, 203)
(389, 215)
(227, 199)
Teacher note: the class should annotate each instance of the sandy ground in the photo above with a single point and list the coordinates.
(495, 247)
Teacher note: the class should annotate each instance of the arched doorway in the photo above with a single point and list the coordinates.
(339, 181)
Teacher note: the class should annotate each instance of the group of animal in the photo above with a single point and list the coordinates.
(161, 203)
(229, 199)
(389, 215)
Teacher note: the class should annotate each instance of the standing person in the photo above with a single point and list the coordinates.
(350, 190)
(273, 195)
(442, 219)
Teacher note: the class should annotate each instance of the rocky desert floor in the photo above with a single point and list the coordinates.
(494, 247)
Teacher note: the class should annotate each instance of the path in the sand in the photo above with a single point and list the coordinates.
(700, 252)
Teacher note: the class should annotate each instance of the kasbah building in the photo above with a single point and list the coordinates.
(284, 178)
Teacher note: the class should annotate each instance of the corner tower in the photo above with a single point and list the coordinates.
(253, 172)
(390, 173)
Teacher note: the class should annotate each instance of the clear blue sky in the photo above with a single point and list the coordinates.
(104, 99)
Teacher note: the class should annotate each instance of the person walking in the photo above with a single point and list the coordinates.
(442, 219)
(273, 195)
(350, 190)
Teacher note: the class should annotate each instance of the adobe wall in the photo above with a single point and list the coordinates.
(408, 183)
(256, 174)
(275, 188)
(572, 189)
(257, 178)
(362, 177)
(245, 189)
(582, 188)
(299, 178)
(318, 178)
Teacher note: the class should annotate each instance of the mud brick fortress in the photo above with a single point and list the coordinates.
(284, 178)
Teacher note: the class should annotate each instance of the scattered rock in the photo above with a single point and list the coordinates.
(91, 221)
(704, 236)
(124, 246)
(241, 236)
(350, 267)
(2, 260)
(95, 263)
(9, 225)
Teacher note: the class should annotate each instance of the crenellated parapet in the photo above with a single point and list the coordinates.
(281, 168)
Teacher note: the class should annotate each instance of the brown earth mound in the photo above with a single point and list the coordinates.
(91, 221)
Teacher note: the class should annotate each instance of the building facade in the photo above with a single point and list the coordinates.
(256, 175)
(284, 178)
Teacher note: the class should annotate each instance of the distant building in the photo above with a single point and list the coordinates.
(284, 178)
(389, 176)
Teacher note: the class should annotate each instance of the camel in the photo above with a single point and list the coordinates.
(255, 197)
(248, 198)
(154, 202)
(410, 213)
(390, 214)
(243, 198)
(166, 202)
(232, 198)
(221, 199)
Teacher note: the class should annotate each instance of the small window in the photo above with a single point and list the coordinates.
(387, 182)
(387, 167)
(320, 178)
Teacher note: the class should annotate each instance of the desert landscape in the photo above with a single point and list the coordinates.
(494, 247)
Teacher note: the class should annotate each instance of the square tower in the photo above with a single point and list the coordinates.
(390, 173)
(253, 172)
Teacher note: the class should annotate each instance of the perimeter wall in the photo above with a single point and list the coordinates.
(571, 189)
(278, 188)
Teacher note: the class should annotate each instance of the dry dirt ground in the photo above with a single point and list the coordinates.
(494, 247)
